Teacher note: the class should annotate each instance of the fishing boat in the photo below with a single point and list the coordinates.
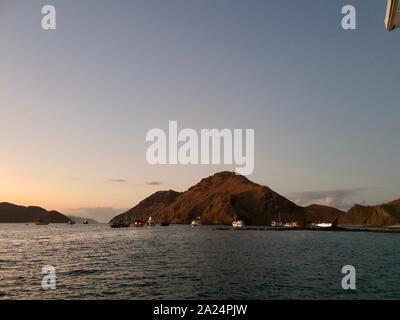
(291, 225)
(278, 224)
(164, 222)
(125, 223)
(196, 222)
(137, 223)
(150, 222)
(41, 222)
(238, 223)
(322, 225)
(119, 225)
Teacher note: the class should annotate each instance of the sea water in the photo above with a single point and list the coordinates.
(180, 262)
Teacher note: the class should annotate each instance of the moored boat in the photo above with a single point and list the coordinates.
(322, 225)
(238, 223)
(196, 222)
(137, 223)
(277, 224)
(164, 222)
(41, 222)
(120, 224)
(292, 225)
(150, 222)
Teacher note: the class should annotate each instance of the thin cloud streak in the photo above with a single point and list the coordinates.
(117, 180)
(154, 183)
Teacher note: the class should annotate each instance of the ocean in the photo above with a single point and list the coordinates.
(180, 262)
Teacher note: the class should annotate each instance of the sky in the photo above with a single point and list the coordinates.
(76, 102)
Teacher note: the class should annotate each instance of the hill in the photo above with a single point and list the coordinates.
(224, 196)
(11, 213)
(380, 215)
(217, 199)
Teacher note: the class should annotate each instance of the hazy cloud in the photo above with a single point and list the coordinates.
(341, 199)
(101, 214)
(117, 180)
(154, 183)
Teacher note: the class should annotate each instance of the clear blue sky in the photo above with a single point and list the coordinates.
(76, 103)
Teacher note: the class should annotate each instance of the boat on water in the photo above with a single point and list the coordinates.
(164, 222)
(71, 222)
(41, 222)
(150, 222)
(85, 222)
(292, 225)
(237, 223)
(137, 223)
(196, 222)
(278, 224)
(321, 225)
(120, 224)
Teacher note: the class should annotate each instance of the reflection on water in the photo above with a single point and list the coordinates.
(180, 262)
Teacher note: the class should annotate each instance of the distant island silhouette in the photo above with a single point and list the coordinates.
(80, 220)
(12, 213)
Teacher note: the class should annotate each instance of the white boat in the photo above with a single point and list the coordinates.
(150, 222)
(291, 225)
(238, 223)
(196, 222)
(323, 225)
(277, 224)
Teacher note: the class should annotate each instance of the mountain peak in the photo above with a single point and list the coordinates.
(217, 199)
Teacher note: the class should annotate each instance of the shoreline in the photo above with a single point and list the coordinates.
(338, 229)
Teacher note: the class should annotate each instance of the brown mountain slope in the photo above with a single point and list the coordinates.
(225, 195)
(11, 213)
(155, 206)
(217, 200)
(320, 213)
(395, 204)
(381, 215)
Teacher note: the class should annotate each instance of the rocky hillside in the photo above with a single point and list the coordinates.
(217, 200)
(381, 215)
(156, 206)
(11, 213)
(320, 213)
(225, 195)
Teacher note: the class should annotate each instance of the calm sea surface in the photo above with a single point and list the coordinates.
(180, 262)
